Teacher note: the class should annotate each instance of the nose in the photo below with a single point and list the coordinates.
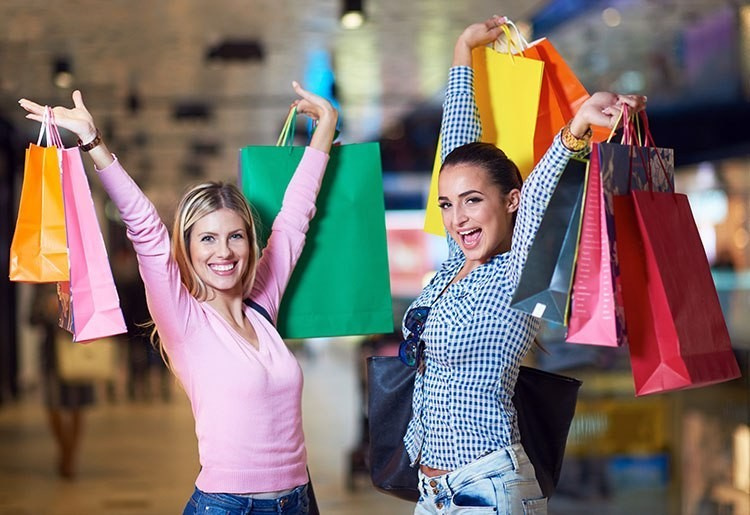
(459, 215)
(225, 250)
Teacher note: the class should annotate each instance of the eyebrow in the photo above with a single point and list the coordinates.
(464, 194)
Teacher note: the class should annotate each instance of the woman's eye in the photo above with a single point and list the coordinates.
(473, 200)
(237, 236)
(207, 238)
(444, 205)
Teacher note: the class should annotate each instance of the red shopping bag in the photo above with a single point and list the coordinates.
(89, 304)
(677, 334)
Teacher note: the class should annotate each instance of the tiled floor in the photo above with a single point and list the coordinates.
(140, 458)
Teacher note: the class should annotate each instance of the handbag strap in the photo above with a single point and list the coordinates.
(260, 309)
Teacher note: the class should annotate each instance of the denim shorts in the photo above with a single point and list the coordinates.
(294, 503)
(501, 482)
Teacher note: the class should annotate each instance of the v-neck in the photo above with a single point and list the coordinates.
(235, 332)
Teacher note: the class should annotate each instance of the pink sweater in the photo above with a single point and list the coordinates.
(246, 402)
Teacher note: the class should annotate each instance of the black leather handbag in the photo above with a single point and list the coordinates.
(545, 403)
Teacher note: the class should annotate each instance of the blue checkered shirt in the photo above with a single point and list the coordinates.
(474, 341)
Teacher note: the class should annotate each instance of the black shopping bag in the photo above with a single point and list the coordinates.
(547, 277)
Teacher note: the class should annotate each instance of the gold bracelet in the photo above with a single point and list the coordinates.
(91, 144)
(573, 142)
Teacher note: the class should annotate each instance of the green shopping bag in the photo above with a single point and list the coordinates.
(340, 285)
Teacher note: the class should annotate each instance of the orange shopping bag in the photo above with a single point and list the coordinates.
(39, 252)
(561, 96)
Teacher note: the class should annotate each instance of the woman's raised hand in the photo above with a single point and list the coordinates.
(603, 109)
(475, 35)
(77, 120)
(321, 110)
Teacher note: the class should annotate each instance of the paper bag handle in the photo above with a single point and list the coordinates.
(286, 138)
(49, 129)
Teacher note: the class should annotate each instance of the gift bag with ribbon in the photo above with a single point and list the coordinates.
(340, 285)
(597, 316)
(676, 330)
(507, 89)
(544, 287)
(39, 252)
(90, 306)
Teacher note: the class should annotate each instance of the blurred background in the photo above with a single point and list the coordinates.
(178, 87)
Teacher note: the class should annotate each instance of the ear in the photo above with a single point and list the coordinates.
(512, 200)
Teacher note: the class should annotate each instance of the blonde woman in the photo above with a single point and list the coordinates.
(243, 383)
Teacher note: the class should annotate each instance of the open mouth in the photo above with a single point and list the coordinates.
(470, 239)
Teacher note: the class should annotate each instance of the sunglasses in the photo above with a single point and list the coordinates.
(412, 348)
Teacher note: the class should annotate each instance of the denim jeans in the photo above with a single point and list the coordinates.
(293, 503)
(502, 482)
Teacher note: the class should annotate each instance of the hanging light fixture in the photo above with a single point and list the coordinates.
(62, 72)
(352, 14)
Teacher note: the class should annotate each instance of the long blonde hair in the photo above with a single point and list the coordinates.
(199, 201)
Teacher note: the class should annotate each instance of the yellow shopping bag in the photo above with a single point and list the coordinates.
(507, 89)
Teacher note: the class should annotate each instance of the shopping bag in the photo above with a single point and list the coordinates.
(544, 287)
(86, 362)
(507, 89)
(561, 96)
(597, 315)
(545, 404)
(677, 334)
(592, 316)
(340, 285)
(38, 251)
(92, 307)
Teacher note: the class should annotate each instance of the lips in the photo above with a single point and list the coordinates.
(470, 238)
(223, 269)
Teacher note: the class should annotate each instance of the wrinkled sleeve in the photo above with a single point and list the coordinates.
(169, 303)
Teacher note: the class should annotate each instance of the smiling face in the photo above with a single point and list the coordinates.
(220, 251)
(476, 213)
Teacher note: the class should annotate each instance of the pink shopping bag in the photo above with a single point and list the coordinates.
(90, 306)
(597, 314)
(592, 313)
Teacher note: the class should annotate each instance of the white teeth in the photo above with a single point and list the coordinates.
(464, 233)
(222, 268)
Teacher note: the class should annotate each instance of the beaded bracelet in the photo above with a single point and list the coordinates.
(573, 142)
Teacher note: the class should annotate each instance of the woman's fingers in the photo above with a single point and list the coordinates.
(30, 106)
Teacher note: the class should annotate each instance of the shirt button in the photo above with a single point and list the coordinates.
(435, 491)
(439, 506)
(283, 502)
(433, 483)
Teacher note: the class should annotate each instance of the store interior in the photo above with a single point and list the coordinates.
(181, 86)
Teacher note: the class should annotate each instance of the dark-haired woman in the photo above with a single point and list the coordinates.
(460, 332)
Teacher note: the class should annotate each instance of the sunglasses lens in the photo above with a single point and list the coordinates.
(415, 319)
(408, 352)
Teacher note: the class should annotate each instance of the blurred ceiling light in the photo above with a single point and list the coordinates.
(352, 14)
(611, 17)
(62, 74)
